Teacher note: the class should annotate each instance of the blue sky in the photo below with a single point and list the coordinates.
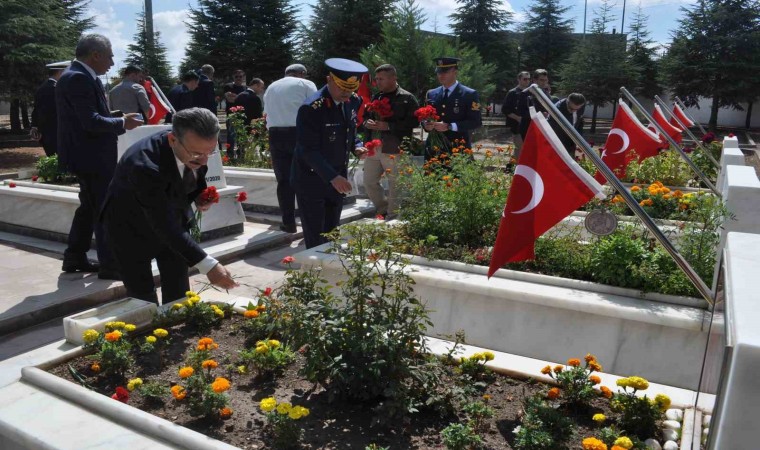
(117, 19)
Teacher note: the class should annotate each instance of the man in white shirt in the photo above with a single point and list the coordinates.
(281, 102)
(130, 96)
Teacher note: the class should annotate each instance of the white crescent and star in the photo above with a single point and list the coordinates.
(536, 184)
(624, 136)
(152, 111)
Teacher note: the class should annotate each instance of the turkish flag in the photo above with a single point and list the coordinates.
(678, 112)
(365, 94)
(158, 109)
(548, 185)
(627, 136)
(671, 131)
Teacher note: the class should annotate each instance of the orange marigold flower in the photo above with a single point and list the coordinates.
(113, 336)
(558, 368)
(209, 364)
(606, 392)
(592, 443)
(392, 157)
(178, 392)
(553, 393)
(388, 171)
(186, 372)
(635, 188)
(575, 362)
(595, 366)
(95, 367)
(251, 314)
(225, 413)
(486, 397)
(594, 379)
(589, 357)
(220, 385)
(546, 370)
(207, 343)
(617, 447)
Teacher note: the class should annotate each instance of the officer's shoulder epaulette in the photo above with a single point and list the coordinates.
(320, 101)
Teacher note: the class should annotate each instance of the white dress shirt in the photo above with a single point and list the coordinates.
(208, 262)
(451, 88)
(283, 98)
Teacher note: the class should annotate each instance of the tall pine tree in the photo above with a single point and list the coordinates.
(547, 36)
(715, 53)
(340, 29)
(150, 54)
(642, 53)
(253, 35)
(599, 65)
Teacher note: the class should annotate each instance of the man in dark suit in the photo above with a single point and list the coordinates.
(44, 117)
(526, 100)
(204, 96)
(87, 136)
(148, 208)
(250, 100)
(572, 108)
(509, 109)
(456, 104)
(326, 133)
(181, 95)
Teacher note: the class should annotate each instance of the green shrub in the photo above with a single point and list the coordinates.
(458, 436)
(638, 415)
(113, 348)
(49, 170)
(268, 357)
(543, 426)
(668, 167)
(613, 256)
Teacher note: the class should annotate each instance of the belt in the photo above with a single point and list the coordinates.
(282, 128)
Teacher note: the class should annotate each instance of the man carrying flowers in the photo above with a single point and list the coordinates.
(392, 119)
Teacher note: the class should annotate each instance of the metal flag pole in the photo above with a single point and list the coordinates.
(705, 291)
(683, 108)
(670, 140)
(687, 130)
(161, 94)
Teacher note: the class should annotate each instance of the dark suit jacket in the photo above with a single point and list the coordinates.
(524, 102)
(44, 115)
(324, 139)
(510, 107)
(578, 124)
(181, 98)
(461, 107)
(87, 133)
(254, 109)
(148, 200)
(203, 95)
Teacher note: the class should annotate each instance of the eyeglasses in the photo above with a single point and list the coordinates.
(195, 156)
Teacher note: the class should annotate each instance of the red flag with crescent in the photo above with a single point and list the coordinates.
(672, 131)
(628, 139)
(678, 112)
(158, 109)
(548, 185)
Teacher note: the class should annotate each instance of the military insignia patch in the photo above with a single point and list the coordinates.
(475, 106)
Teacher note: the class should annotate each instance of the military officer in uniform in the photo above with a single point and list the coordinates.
(457, 105)
(326, 134)
(44, 117)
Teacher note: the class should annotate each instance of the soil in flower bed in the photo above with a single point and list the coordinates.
(330, 425)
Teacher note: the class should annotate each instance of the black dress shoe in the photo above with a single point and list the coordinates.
(289, 228)
(109, 274)
(80, 266)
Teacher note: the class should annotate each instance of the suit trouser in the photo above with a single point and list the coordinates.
(319, 214)
(92, 194)
(282, 143)
(374, 168)
(49, 143)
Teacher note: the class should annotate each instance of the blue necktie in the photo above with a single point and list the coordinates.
(445, 94)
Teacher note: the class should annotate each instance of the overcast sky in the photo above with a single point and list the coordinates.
(117, 19)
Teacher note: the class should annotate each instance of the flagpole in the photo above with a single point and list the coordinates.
(683, 108)
(161, 94)
(632, 203)
(686, 129)
(671, 141)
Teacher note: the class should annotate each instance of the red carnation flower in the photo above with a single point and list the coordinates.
(12, 184)
(288, 260)
(426, 113)
(225, 159)
(268, 291)
(35, 178)
(209, 195)
(731, 135)
(227, 146)
(121, 394)
(242, 196)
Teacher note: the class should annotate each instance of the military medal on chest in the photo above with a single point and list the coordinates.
(456, 106)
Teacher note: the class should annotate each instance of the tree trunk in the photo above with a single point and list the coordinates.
(25, 115)
(15, 122)
(749, 116)
(713, 124)
(593, 120)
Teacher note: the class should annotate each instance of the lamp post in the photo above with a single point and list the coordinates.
(519, 52)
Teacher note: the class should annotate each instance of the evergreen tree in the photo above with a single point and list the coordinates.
(715, 53)
(547, 36)
(33, 34)
(340, 29)
(482, 24)
(599, 65)
(641, 53)
(253, 35)
(150, 55)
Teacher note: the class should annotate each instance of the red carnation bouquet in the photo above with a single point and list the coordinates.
(379, 109)
(437, 141)
(372, 145)
(207, 196)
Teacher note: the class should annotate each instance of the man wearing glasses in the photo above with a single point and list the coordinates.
(148, 211)
(509, 108)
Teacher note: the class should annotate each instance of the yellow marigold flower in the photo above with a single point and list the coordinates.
(274, 343)
(558, 369)
(595, 366)
(624, 442)
(284, 408)
(177, 306)
(95, 367)
(90, 336)
(134, 383)
(446, 178)
(489, 153)
(594, 379)
(261, 308)
(553, 393)
(116, 325)
(187, 303)
(489, 356)
(150, 339)
(160, 332)
(477, 357)
(242, 370)
(251, 314)
(638, 383)
(575, 362)
(129, 328)
(635, 188)
(662, 400)
(225, 413)
(486, 397)
(268, 404)
(546, 370)
(186, 372)
(113, 336)
(297, 412)
(209, 364)
(190, 294)
(218, 311)
(220, 385)
(606, 392)
(599, 418)
(261, 349)
(623, 382)
(591, 443)
(178, 392)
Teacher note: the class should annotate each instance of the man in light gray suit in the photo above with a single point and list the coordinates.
(129, 96)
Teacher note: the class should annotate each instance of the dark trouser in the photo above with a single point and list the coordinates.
(282, 143)
(230, 140)
(92, 194)
(319, 214)
(49, 144)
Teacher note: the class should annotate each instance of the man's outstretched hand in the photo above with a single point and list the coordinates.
(221, 277)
